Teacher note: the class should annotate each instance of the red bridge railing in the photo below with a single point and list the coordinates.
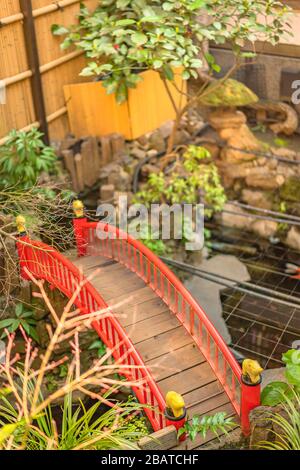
(44, 262)
(95, 238)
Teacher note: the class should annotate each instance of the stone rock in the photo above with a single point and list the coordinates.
(119, 178)
(284, 153)
(272, 375)
(270, 181)
(157, 141)
(152, 153)
(181, 137)
(293, 239)
(256, 198)
(264, 228)
(143, 140)
(236, 220)
(260, 425)
(232, 127)
(138, 153)
(148, 168)
(166, 129)
(107, 192)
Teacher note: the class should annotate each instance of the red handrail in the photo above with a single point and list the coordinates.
(44, 262)
(137, 257)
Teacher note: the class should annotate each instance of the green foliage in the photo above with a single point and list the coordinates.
(23, 158)
(23, 318)
(281, 143)
(278, 392)
(287, 425)
(82, 428)
(219, 422)
(124, 36)
(100, 346)
(152, 241)
(201, 183)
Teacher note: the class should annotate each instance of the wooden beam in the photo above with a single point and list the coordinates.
(34, 65)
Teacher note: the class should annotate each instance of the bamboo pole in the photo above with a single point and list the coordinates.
(43, 68)
(38, 11)
(33, 61)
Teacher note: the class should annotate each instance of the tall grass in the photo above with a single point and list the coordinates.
(286, 435)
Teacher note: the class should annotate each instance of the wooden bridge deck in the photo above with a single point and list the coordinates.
(166, 348)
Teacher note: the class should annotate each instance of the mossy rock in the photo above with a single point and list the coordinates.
(230, 93)
(290, 190)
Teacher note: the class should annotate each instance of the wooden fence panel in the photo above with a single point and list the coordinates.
(57, 67)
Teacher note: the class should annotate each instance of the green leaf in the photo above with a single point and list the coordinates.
(125, 22)
(168, 72)
(292, 374)
(6, 431)
(139, 39)
(5, 323)
(19, 309)
(157, 64)
(274, 393)
(58, 30)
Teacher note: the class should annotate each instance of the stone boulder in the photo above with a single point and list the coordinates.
(293, 239)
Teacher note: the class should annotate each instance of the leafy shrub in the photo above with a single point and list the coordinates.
(24, 318)
(285, 434)
(23, 158)
(219, 422)
(124, 36)
(81, 428)
(277, 392)
(199, 183)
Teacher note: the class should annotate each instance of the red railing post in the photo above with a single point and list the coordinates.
(78, 223)
(250, 399)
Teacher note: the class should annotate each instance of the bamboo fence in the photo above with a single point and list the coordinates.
(57, 68)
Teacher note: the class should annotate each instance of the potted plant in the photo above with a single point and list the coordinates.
(144, 51)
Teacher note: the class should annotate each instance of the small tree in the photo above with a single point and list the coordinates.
(123, 37)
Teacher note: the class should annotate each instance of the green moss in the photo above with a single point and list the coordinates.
(290, 190)
(229, 93)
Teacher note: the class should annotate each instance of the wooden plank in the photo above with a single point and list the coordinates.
(143, 310)
(142, 294)
(196, 396)
(163, 343)
(188, 379)
(164, 439)
(79, 171)
(175, 362)
(68, 157)
(152, 327)
(106, 150)
(117, 145)
(90, 174)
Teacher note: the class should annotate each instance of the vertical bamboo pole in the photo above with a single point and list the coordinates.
(34, 65)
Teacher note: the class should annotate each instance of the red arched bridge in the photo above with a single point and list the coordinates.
(159, 328)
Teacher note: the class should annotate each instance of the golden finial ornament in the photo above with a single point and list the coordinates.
(252, 370)
(175, 402)
(78, 208)
(20, 223)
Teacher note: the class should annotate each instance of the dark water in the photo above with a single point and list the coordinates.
(260, 328)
